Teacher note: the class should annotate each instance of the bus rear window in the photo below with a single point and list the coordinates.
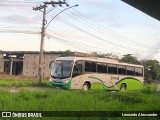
(138, 71)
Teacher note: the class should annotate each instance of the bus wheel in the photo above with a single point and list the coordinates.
(123, 87)
(86, 86)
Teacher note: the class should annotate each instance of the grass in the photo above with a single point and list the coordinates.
(146, 99)
(50, 100)
(22, 83)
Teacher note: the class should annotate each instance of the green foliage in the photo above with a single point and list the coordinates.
(149, 88)
(129, 58)
(125, 97)
(77, 100)
(151, 67)
(152, 70)
(22, 83)
(60, 100)
(67, 53)
(107, 55)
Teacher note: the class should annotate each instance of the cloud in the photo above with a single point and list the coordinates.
(21, 19)
(9, 4)
(153, 51)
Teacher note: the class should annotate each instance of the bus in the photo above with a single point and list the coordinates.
(95, 73)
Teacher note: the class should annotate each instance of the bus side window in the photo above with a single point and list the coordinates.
(87, 66)
(130, 70)
(93, 67)
(112, 68)
(77, 70)
(101, 68)
(79, 67)
(121, 69)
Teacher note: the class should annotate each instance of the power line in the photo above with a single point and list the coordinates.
(77, 45)
(70, 37)
(70, 24)
(121, 38)
(118, 45)
(98, 38)
(70, 43)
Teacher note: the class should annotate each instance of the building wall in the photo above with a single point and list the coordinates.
(1, 63)
(31, 62)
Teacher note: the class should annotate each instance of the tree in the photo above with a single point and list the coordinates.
(152, 70)
(67, 53)
(128, 58)
(107, 55)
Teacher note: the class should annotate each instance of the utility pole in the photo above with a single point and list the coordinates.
(41, 46)
(44, 22)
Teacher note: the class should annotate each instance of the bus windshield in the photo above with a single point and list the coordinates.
(61, 69)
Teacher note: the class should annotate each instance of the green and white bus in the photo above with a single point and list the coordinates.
(95, 73)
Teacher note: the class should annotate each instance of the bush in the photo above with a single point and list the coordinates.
(149, 88)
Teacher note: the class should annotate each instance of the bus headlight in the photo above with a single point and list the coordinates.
(66, 81)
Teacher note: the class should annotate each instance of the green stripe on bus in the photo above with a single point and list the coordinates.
(101, 84)
(131, 83)
(98, 86)
(96, 79)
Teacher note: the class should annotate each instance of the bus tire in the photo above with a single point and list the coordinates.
(86, 87)
(123, 87)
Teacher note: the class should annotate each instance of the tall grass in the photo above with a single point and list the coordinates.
(50, 100)
(74, 100)
(146, 99)
(22, 83)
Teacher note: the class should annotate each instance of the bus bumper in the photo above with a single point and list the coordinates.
(63, 85)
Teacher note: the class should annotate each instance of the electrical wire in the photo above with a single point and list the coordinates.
(97, 37)
(118, 45)
(111, 32)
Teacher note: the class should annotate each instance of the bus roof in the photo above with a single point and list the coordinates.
(96, 59)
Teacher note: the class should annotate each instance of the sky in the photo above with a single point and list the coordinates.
(103, 26)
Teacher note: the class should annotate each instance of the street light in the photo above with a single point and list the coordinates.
(42, 37)
(60, 13)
